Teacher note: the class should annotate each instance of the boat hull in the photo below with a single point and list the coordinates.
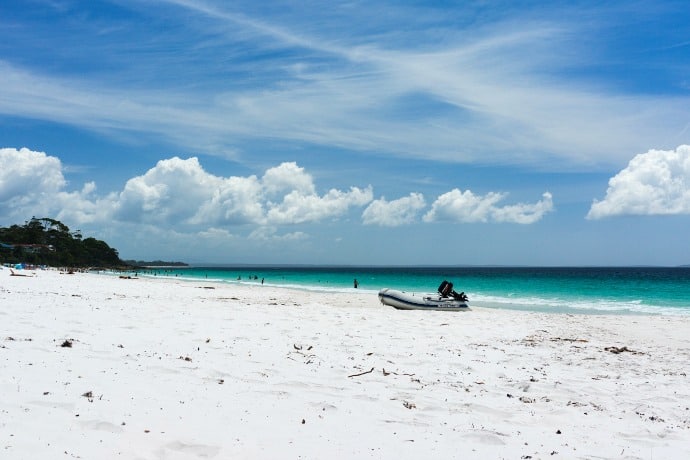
(406, 301)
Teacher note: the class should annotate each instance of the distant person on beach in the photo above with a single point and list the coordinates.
(356, 283)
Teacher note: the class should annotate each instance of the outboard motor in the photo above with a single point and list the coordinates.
(445, 288)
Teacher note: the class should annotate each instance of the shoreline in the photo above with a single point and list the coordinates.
(165, 368)
(632, 290)
(578, 307)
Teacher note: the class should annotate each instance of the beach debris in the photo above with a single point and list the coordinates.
(526, 400)
(567, 339)
(618, 350)
(408, 374)
(208, 340)
(186, 358)
(67, 344)
(221, 381)
(558, 431)
(303, 421)
(297, 347)
(362, 373)
(88, 395)
(409, 405)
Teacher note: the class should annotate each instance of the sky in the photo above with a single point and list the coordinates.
(352, 132)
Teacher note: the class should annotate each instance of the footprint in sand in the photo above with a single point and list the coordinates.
(66, 406)
(200, 450)
(485, 437)
(100, 425)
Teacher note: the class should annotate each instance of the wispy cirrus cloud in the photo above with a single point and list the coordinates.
(501, 90)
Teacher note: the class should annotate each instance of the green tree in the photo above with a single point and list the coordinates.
(57, 246)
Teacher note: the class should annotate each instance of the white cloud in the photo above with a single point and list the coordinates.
(394, 213)
(175, 192)
(655, 182)
(298, 207)
(287, 177)
(177, 200)
(270, 233)
(33, 184)
(28, 177)
(180, 191)
(524, 213)
(172, 191)
(213, 233)
(466, 207)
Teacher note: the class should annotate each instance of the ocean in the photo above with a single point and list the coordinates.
(583, 290)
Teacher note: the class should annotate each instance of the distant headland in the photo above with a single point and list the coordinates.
(154, 263)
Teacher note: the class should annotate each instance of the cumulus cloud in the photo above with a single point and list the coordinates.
(466, 207)
(286, 178)
(33, 183)
(298, 207)
(181, 191)
(180, 194)
(300, 202)
(270, 233)
(524, 213)
(655, 182)
(27, 177)
(175, 192)
(394, 213)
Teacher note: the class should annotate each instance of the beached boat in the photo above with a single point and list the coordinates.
(445, 299)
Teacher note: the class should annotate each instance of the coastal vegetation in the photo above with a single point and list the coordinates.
(47, 241)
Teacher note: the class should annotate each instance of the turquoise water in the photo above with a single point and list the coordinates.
(626, 290)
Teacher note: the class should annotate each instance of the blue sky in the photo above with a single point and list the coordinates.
(414, 133)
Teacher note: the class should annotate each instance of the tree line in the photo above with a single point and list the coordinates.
(47, 241)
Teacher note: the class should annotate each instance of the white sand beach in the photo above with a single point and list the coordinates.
(97, 367)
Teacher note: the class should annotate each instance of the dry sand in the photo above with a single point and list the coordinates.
(98, 367)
